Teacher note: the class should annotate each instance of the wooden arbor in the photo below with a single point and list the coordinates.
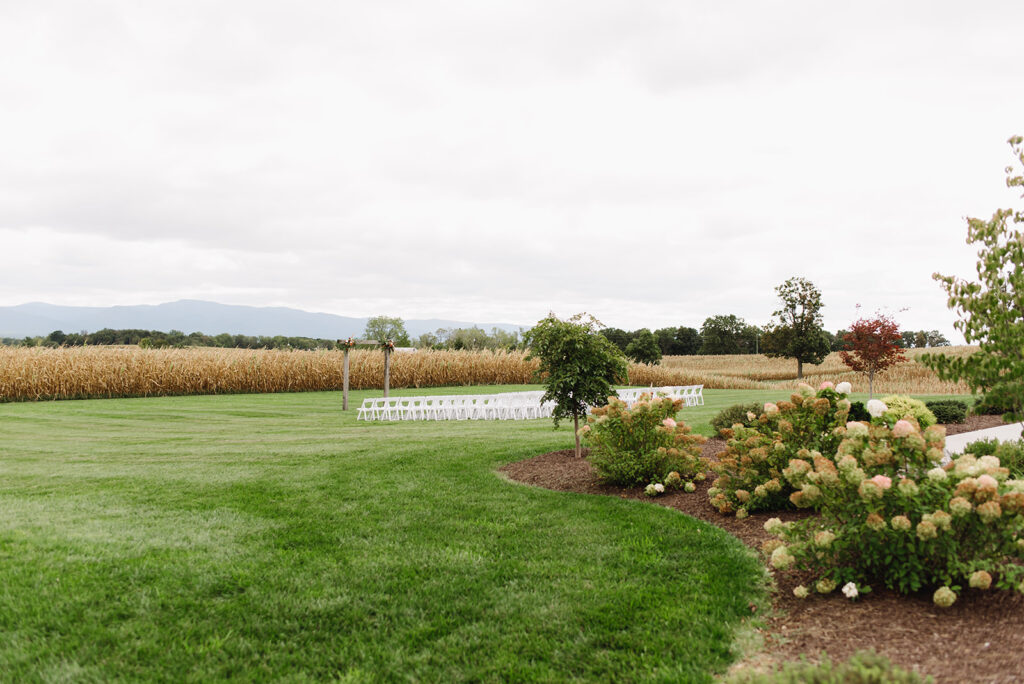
(387, 345)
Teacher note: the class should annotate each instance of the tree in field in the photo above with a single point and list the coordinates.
(619, 337)
(383, 328)
(796, 332)
(722, 335)
(991, 310)
(644, 347)
(872, 345)
(578, 366)
(688, 341)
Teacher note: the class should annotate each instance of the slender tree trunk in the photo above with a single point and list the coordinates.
(799, 369)
(387, 370)
(871, 385)
(576, 433)
(344, 385)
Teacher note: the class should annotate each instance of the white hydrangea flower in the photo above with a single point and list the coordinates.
(937, 474)
(850, 589)
(876, 408)
(844, 388)
(660, 488)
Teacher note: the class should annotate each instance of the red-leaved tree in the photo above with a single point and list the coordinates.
(872, 345)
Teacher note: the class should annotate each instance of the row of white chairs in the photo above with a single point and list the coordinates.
(503, 406)
(692, 395)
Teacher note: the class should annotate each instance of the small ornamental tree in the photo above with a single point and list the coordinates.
(578, 366)
(796, 331)
(872, 345)
(991, 309)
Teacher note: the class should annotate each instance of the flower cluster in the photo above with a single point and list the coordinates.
(388, 345)
(786, 435)
(630, 446)
(891, 514)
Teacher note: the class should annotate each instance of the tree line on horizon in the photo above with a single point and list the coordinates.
(722, 334)
(730, 334)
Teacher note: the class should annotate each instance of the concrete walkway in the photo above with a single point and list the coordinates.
(1004, 433)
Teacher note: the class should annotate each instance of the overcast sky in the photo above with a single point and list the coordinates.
(652, 163)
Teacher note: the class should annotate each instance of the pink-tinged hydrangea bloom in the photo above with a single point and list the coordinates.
(987, 482)
(882, 481)
(875, 522)
(902, 428)
(826, 385)
(980, 580)
(669, 423)
(926, 530)
(689, 487)
(844, 388)
(944, 597)
(771, 408)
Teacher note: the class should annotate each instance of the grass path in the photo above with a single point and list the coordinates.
(273, 537)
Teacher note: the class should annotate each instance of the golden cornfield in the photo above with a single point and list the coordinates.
(756, 371)
(37, 373)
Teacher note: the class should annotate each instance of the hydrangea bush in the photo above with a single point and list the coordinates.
(901, 406)
(633, 446)
(750, 471)
(891, 514)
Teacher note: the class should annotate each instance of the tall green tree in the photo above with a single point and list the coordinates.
(578, 366)
(644, 347)
(619, 337)
(991, 310)
(688, 341)
(724, 334)
(383, 328)
(795, 331)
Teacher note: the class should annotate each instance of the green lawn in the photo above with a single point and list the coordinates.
(274, 537)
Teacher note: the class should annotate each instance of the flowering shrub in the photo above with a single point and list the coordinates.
(901, 406)
(744, 414)
(751, 471)
(1010, 453)
(891, 514)
(630, 446)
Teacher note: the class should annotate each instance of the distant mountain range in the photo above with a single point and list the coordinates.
(189, 315)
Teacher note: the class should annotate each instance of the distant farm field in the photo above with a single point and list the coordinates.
(756, 371)
(35, 373)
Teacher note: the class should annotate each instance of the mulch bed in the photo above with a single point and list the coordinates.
(979, 639)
